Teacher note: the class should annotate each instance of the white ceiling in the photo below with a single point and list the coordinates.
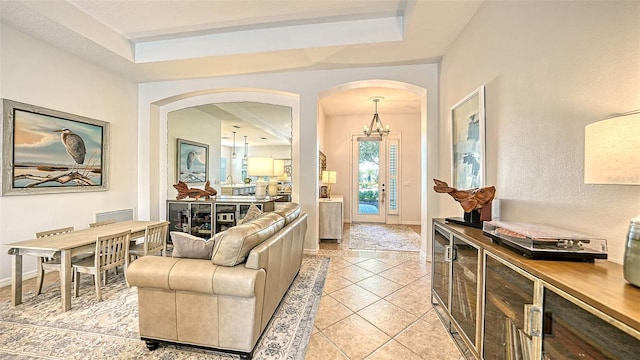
(262, 124)
(154, 40)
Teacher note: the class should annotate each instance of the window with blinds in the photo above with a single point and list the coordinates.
(393, 176)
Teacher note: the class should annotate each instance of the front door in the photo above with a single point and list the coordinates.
(368, 179)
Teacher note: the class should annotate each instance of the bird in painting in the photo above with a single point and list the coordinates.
(74, 145)
(190, 157)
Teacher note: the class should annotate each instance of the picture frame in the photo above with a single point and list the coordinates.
(192, 162)
(468, 141)
(322, 164)
(38, 157)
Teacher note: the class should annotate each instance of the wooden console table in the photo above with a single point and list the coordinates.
(501, 305)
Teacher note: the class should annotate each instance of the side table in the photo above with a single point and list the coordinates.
(331, 217)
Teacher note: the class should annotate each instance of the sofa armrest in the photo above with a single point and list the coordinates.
(151, 272)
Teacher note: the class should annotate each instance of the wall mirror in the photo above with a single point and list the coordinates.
(233, 132)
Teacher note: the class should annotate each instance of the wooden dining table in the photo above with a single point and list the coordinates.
(65, 246)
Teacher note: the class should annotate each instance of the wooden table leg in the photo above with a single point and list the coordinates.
(16, 278)
(65, 279)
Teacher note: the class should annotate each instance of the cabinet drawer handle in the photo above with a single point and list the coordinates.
(530, 316)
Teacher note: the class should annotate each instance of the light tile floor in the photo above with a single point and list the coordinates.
(376, 305)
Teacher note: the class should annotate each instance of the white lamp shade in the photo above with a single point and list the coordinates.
(278, 167)
(260, 166)
(329, 177)
(612, 151)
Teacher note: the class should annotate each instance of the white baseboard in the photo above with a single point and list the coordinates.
(25, 276)
(424, 256)
(417, 222)
(311, 252)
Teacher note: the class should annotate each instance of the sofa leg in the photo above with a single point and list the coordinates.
(247, 356)
(151, 345)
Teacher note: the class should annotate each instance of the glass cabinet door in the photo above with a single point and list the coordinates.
(571, 332)
(464, 289)
(244, 208)
(441, 270)
(201, 220)
(178, 217)
(508, 297)
(225, 217)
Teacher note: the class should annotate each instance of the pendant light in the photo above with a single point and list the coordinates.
(233, 156)
(246, 148)
(376, 124)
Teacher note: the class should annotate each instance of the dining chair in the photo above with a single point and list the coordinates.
(155, 241)
(101, 223)
(48, 263)
(111, 251)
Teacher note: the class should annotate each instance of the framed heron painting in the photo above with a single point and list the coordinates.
(193, 162)
(467, 141)
(49, 151)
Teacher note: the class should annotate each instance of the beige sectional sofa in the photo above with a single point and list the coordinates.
(227, 301)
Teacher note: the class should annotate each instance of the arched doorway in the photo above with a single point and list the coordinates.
(404, 108)
(198, 98)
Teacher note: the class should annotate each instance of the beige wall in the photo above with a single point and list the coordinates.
(549, 68)
(36, 73)
(193, 125)
(339, 130)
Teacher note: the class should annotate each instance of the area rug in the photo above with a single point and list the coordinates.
(38, 329)
(383, 237)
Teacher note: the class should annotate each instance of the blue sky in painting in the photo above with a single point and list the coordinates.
(36, 142)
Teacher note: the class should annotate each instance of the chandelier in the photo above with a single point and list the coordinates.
(376, 124)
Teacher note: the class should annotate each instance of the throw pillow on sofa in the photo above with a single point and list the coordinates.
(191, 247)
(253, 213)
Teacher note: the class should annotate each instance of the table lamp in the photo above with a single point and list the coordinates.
(278, 170)
(260, 166)
(611, 156)
(329, 177)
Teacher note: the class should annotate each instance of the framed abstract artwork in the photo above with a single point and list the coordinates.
(193, 162)
(468, 141)
(49, 151)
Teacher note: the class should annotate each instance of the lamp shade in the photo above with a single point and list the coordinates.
(278, 167)
(612, 151)
(260, 166)
(329, 177)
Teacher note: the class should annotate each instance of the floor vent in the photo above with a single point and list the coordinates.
(117, 215)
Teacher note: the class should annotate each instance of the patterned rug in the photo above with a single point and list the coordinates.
(38, 329)
(383, 237)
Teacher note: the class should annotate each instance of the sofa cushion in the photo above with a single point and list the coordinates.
(232, 245)
(290, 212)
(253, 213)
(189, 246)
